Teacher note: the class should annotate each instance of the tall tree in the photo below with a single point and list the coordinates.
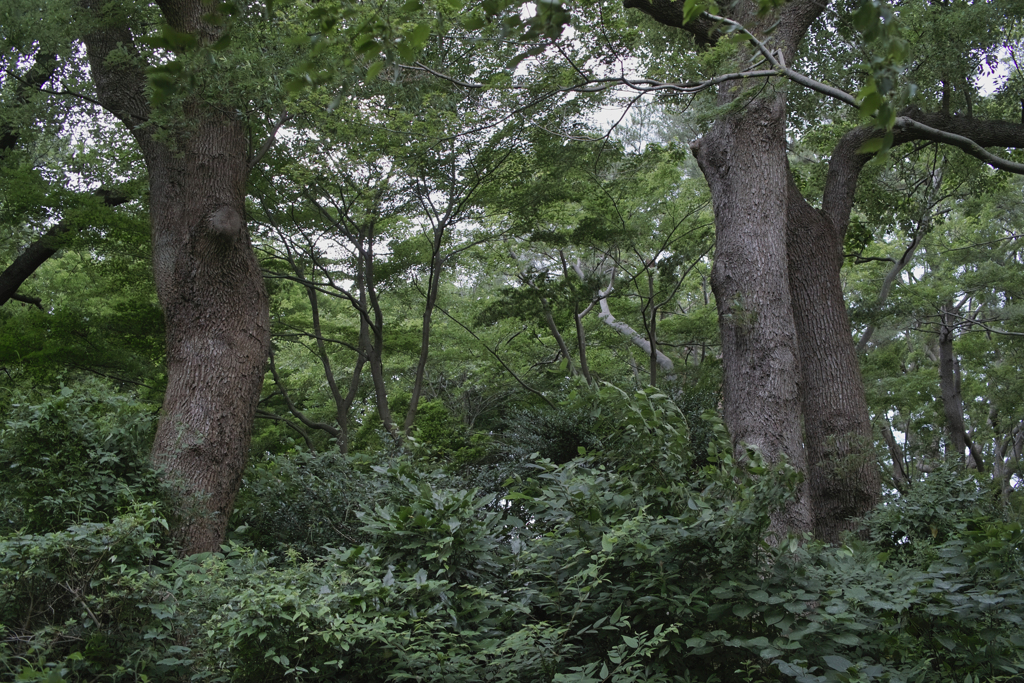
(787, 345)
(208, 280)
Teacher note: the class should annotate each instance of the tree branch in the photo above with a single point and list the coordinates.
(42, 249)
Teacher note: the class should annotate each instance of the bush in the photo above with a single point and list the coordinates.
(75, 457)
(637, 561)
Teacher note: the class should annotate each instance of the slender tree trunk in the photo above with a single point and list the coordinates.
(581, 344)
(664, 362)
(549, 318)
(433, 287)
(581, 335)
(207, 277)
(949, 385)
(924, 226)
(374, 339)
(652, 327)
(899, 460)
(345, 415)
(342, 404)
(843, 478)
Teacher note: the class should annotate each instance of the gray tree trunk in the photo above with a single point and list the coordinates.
(207, 277)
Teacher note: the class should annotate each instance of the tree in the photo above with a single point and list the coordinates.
(787, 345)
(198, 155)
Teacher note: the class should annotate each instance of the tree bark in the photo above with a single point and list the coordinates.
(373, 339)
(207, 277)
(664, 362)
(743, 158)
(433, 288)
(652, 325)
(581, 333)
(949, 385)
(775, 322)
(843, 478)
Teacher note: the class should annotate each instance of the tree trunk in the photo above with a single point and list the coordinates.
(218, 329)
(843, 479)
(652, 325)
(433, 287)
(342, 404)
(743, 158)
(581, 334)
(664, 362)
(207, 278)
(373, 341)
(949, 384)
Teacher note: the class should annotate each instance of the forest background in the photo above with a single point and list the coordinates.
(338, 340)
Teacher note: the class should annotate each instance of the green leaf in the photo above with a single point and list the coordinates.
(420, 34)
(871, 146)
(846, 639)
(692, 8)
(870, 104)
(741, 610)
(373, 70)
(630, 642)
(838, 663)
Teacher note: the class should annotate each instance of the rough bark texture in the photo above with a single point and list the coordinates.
(843, 479)
(743, 158)
(781, 309)
(207, 277)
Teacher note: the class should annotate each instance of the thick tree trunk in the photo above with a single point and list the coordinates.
(218, 329)
(843, 479)
(207, 278)
(743, 158)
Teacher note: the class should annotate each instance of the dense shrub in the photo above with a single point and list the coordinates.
(304, 501)
(74, 457)
(634, 561)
